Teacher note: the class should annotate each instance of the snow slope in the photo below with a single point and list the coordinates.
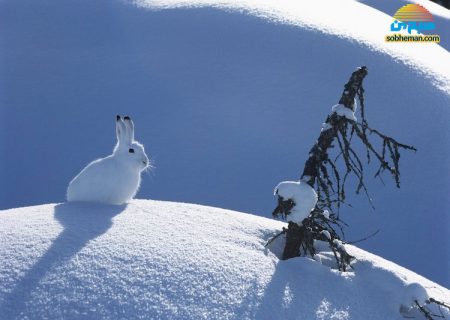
(344, 19)
(227, 105)
(162, 260)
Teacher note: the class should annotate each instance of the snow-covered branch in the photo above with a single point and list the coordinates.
(322, 184)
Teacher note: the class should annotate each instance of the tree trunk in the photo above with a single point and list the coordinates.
(318, 154)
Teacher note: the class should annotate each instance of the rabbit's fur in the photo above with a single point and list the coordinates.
(114, 179)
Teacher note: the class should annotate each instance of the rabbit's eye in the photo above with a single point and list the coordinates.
(131, 150)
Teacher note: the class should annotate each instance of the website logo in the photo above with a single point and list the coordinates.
(411, 20)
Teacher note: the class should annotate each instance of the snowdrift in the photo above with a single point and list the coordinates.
(162, 260)
(225, 102)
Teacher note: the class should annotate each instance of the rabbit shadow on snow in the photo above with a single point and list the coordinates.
(96, 195)
(82, 223)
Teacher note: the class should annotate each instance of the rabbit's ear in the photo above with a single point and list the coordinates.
(130, 128)
(121, 130)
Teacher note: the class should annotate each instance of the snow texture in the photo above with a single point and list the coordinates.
(215, 90)
(343, 111)
(304, 197)
(162, 260)
(114, 179)
(356, 21)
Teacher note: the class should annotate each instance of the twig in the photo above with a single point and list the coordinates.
(363, 239)
(276, 236)
(424, 311)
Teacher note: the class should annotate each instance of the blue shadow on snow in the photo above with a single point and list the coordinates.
(82, 222)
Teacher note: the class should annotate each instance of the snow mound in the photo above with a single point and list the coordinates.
(414, 292)
(304, 197)
(356, 21)
(228, 96)
(161, 260)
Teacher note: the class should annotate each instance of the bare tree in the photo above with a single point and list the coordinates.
(326, 177)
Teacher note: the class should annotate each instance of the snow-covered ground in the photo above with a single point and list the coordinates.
(227, 104)
(344, 19)
(162, 260)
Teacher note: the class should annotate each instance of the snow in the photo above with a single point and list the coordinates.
(162, 260)
(221, 96)
(356, 21)
(414, 292)
(325, 126)
(304, 197)
(326, 234)
(338, 243)
(343, 111)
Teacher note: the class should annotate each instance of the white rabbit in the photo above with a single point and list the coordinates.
(116, 178)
